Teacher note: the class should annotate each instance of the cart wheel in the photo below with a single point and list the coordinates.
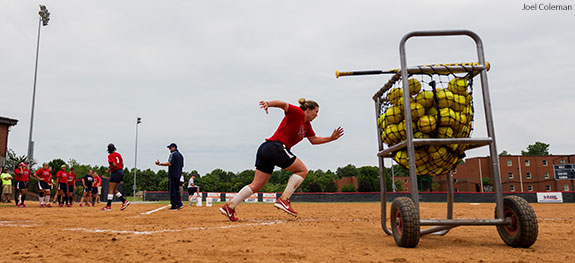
(404, 222)
(522, 232)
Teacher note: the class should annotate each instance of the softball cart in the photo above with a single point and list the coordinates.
(424, 118)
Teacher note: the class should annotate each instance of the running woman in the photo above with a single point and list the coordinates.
(116, 173)
(295, 126)
(62, 176)
(71, 186)
(44, 184)
(87, 181)
(21, 176)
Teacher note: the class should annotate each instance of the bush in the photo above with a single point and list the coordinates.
(348, 188)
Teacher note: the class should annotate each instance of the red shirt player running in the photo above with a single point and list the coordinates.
(116, 164)
(295, 126)
(44, 177)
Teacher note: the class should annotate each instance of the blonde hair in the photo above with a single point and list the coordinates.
(307, 104)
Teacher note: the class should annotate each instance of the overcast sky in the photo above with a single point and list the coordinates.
(196, 70)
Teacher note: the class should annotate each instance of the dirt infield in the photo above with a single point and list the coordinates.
(324, 232)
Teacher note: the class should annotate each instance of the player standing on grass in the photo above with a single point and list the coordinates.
(44, 184)
(116, 174)
(62, 176)
(21, 176)
(295, 126)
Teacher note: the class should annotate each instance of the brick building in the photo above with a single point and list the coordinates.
(518, 174)
(5, 124)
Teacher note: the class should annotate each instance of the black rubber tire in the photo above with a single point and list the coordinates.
(523, 230)
(405, 222)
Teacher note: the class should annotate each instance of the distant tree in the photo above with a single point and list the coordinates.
(56, 164)
(504, 153)
(537, 149)
(368, 179)
(348, 188)
(12, 160)
(347, 171)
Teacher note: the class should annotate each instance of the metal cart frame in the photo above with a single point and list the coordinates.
(509, 219)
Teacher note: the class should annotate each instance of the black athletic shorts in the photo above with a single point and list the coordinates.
(21, 185)
(88, 190)
(63, 187)
(192, 190)
(70, 188)
(117, 176)
(95, 190)
(273, 153)
(43, 186)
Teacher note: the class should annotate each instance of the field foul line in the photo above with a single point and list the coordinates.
(173, 230)
(155, 210)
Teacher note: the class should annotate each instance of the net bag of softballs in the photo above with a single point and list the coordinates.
(441, 107)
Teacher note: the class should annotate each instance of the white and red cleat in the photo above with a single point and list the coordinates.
(285, 206)
(229, 212)
(106, 208)
(124, 205)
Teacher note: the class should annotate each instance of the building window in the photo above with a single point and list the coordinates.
(456, 190)
(530, 188)
(405, 181)
(544, 162)
(512, 188)
(566, 188)
(510, 175)
(509, 163)
(454, 180)
(528, 175)
(548, 188)
(546, 175)
(527, 163)
(562, 161)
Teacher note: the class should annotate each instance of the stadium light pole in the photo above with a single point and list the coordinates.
(43, 21)
(138, 121)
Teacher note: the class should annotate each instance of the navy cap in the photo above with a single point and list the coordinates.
(172, 145)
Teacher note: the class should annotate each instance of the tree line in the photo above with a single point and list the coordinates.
(219, 180)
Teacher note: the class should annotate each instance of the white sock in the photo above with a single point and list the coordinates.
(241, 196)
(47, 199)
(41, 199)
(118, 194)
(110, 196)
(293, 183)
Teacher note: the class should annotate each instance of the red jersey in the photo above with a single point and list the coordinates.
(97, 181)
(293, 128)
(62, 177)
(44, 174)
(22, 175)
(116, 160)
(71, 178)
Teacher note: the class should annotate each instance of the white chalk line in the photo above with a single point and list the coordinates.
(15, 224)
(155, 210)
(174, 230)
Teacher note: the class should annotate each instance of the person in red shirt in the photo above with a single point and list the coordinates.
(44, 177)
(116, 164)
(96, 189)
(21, 176)
(276, 151)
(62, 176)
(71, 184)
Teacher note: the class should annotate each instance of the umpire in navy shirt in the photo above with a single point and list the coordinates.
(175, 164)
